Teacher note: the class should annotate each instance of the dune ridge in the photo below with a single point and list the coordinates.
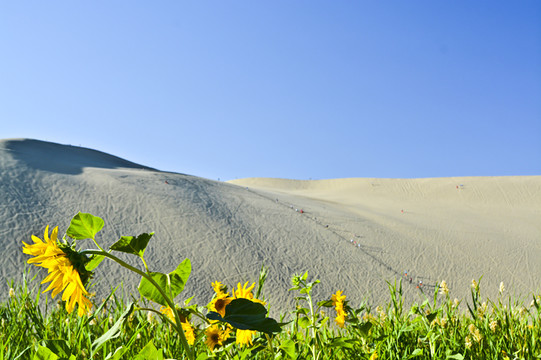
(452, 229)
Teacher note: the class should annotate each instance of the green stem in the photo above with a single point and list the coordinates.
(170, 303)
(312, 326)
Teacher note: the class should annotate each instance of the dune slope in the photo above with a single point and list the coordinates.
(486, 226)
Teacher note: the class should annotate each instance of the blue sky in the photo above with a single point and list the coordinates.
(291, 89)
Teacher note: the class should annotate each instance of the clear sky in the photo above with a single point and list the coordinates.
(300, 89)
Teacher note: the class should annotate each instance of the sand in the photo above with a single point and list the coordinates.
(453, 229)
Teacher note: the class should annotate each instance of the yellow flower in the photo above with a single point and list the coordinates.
(468, 343)
(338, 303)
(63, 274)
(188, 332)
(215, 336)
(444, 290)
(167, 311)
(502, 288)
(219, 303)
(218, 287)
(474, 285)
(338, 298)
(340, 319)
(374, 356)
(244, 292)
(244, 337)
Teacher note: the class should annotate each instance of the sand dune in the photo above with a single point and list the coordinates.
(449, 228)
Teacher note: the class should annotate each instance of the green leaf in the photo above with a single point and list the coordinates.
(114, 331)
(430, 317)
(365, 328)
(202, 356)
(245, 314)
(132, 244)
(455, 356)
(95, 260)
(304, 322)
(44, 353)
(415, 353)
(325, 303)
(84, 226)
(60, 348)
(172, 283)
(149, 352)
(288, 347)
(342, 343)
(117, 355)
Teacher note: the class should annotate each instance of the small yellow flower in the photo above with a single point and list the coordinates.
(474, 285)
(374, 356)
(468, 342)
(474, 331)
(11, 293)
(443, 322)
(502, 288)
(63, 275)
(493, 325)
(444, 290)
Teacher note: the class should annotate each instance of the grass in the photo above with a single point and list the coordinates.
(437, 328)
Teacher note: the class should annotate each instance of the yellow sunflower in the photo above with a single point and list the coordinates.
(245, 292)
(219, 303)
(188, 332)
(167, 311)
(63, 274)
(218, 287)
(186, 326)
(215, 336)
(338, 303)
(244, 337)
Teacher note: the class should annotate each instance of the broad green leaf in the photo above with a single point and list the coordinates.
(149, 352)
(304, 322)
(135, 245)
(84, 226)
(95, 260)
(44, 353)
(202, 356)
(288, 347)
(117, 355)
(455, 356)
(245, 314)
(60, 348)
(114, 331)
(415, 353)
(430, 317)
(325, 303)
(365, 328)
(342, 343)
(172, 283)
